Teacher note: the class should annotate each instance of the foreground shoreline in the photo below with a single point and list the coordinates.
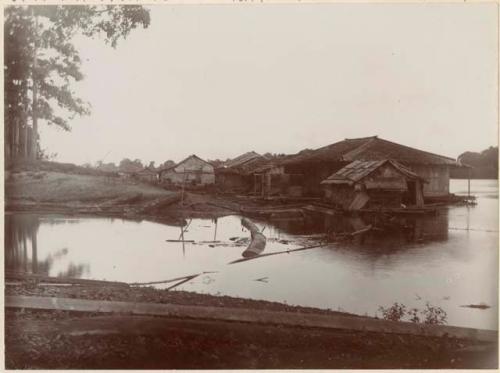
(120, 340)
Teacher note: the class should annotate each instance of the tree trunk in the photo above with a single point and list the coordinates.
(34, 131)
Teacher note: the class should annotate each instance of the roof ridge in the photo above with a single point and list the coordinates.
(359, 149)
(419, 150)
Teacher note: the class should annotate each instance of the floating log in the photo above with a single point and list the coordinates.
(179, 240)
(258, 240)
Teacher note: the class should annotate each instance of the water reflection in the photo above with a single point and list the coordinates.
(21, 248)
(411, 260)
(389, 232)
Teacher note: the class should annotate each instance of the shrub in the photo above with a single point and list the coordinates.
(429, 315)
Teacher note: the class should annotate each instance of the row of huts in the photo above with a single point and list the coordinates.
(351, 174)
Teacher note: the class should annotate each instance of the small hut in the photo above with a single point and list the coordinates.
(192, 171)
(236, 174)
(147, 174)
(383, 183)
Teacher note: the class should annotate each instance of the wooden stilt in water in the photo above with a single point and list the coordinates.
(468, 185)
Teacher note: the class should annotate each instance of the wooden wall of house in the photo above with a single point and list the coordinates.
(193, 164)
(233, 181)
(147, 177)
(189, 178)
(340, 195)
(384, 198)
(438, 178)
(386, 177)
(313, 174)
(192, 172)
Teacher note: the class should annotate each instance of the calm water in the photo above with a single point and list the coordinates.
(448, 260)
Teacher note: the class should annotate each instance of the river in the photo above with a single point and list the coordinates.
(451, 260)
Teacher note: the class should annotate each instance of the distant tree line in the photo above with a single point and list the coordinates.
(128, 165)
(484, 165)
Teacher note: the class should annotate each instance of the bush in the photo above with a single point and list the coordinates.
(433, 315)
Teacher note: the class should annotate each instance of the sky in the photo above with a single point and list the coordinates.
(221, 80)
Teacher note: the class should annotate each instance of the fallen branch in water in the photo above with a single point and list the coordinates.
(276, 253)
(169, 280)
(189, 278)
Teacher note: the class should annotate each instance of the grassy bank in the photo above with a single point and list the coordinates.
(54, 186)
(66, 188)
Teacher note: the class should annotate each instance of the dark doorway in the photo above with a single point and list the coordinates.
(410, 195)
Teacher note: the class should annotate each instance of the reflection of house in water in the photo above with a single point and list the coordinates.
(21, 248)
(391, 231)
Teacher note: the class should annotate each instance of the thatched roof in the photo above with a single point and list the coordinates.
(358, 170)
(370, 149)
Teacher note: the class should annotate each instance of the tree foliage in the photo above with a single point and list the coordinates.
(39, 52)
(127, 165)
(484, 164)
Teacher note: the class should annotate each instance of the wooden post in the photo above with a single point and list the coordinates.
(468, 184)
(183, 246)
(183, 186)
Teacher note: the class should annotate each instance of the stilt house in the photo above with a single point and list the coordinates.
(317, 165)
(384, 183)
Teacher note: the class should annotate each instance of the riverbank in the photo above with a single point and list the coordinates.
(79, 191)
(61, 190)
(55, 339)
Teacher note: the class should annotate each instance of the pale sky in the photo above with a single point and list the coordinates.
(220, 80)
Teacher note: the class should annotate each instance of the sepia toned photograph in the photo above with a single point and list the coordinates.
(251, 186)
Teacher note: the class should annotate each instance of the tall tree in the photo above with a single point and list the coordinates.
(41, 65)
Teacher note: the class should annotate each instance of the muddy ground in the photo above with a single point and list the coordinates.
(49, 340)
